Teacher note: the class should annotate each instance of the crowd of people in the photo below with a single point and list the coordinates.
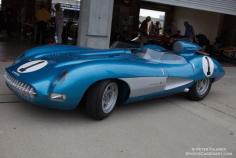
(148, 28)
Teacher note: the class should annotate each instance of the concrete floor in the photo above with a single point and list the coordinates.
(165, 128)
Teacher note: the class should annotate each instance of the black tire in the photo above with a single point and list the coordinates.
(193, 93)
(94, 97)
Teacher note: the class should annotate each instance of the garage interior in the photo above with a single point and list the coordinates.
(123, 18)
(211, 24)
(165, 127)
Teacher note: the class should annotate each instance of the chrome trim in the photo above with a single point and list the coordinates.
(186, 90)
(21, 88)
(57, 97)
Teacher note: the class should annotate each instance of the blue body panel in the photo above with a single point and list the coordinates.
(85, 67)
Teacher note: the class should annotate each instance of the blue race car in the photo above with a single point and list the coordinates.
(62, 76)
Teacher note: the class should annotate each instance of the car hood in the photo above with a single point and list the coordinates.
(64, 53)
(54, 59)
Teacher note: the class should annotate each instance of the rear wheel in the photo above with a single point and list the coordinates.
(200, 89)
(101, 99)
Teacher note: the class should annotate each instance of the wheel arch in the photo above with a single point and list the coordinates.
(124, 89)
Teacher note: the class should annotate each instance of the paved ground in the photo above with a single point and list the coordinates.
(165, 128)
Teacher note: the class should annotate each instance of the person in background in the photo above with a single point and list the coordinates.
(144, 26)
(151, 29)
(42, 19)
(189, 31)
(157, 28)
(59, 20)
(67, 31)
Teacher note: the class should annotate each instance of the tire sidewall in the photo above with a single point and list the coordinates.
(193, 93)
(94, 100)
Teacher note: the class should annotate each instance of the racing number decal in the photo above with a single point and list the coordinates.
(208, 66)
(32, 66)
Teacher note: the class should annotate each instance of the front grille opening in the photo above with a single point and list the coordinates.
(19, 87)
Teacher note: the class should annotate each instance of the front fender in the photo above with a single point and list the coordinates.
(79, 79)
(203, 64)
(219, 71)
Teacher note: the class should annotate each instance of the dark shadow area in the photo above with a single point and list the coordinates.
(79, 116)
(11, 47)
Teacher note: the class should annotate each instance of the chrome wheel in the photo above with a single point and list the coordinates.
(202, 86)
(109, 97)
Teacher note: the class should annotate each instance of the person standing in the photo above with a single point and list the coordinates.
(157, 28)
(189, 31)
(42, 19)
(59, 20)
(144, 28)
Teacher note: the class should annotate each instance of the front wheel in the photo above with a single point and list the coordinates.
(200, 89)
(101, 99)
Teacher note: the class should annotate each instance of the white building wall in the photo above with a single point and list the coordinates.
(203, 22)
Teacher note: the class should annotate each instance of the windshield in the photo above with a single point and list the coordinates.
(162, 57)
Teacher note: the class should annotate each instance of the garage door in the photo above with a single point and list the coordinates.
(220, 6)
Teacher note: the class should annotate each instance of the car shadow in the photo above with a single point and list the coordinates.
(123, 111)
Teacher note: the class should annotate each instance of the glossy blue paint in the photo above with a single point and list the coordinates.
(83, 67)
